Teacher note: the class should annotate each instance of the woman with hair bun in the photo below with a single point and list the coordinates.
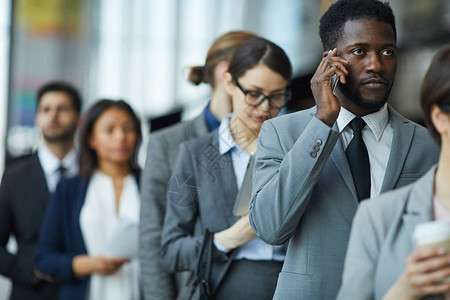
(209, 172)
(213, 72)
(158, 283)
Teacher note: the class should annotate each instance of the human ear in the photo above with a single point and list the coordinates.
(229, 86)
(222, 69)
(440, 119)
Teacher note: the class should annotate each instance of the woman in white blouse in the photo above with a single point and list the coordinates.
(76, 244)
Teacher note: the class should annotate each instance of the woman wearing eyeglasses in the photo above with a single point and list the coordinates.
(208, 175)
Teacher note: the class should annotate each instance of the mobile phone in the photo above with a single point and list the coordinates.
(333, 80)
(333, 83)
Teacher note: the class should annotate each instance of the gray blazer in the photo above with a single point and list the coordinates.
(382, 238)
(157, 282)
(303, 192)
(203, 186)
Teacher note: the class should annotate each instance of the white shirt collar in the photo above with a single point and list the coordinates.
(376, 121)
(226, 141)
(50, 162)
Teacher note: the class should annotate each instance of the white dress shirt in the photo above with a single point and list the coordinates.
(50, 164)
(377, 136)
(99, 217)
(255, 249)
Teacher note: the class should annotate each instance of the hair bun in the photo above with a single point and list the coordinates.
(196, 75)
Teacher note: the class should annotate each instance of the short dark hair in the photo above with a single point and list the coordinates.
(436, 87)
(88, 157)
(260, 51)
(333, 20)
(61, 86)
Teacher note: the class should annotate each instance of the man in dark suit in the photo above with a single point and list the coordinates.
(27, 184)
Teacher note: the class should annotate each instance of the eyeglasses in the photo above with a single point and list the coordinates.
(256, 98)
(445, 107)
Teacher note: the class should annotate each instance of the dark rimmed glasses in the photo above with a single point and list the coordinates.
(256, 98)
(445, 107)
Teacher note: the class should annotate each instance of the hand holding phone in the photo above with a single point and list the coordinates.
(331, 69)
(333, 79)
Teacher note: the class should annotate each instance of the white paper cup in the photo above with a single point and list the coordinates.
(433, 234)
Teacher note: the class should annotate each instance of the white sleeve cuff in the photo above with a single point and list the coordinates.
(220, 247)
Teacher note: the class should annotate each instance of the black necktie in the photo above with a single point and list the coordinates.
(62, 170)
(358, 159)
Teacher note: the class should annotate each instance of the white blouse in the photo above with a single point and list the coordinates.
(98, 219)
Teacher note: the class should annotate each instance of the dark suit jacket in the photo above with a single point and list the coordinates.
(61, 238)
(23, 199)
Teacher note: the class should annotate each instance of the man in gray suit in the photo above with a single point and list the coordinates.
(306, 185)
(162, 153)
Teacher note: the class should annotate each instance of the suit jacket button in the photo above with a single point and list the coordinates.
(316, 148)
(318, 142)
(313, 154)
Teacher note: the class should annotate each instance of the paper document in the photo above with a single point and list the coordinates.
(124, 240)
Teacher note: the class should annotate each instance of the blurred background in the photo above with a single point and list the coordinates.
(138, 50)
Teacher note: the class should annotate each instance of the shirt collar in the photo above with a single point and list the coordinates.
(226, 141)
(376, 121)
(211, 120)
(50, 162)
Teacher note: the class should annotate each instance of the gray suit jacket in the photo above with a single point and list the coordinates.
(203, 186)
(303, 191)
(382, 238)
(157, 282)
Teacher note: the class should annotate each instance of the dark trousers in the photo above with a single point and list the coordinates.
(249, 280)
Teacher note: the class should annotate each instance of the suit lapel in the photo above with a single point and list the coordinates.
(223, 178)
(198, 126)
(419, 208)
(37, 193)
(403, 132)
(340, 159)
(228, 185)
(37, 172)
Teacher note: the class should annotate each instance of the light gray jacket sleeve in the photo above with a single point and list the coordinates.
(285, 175)
(157, 282)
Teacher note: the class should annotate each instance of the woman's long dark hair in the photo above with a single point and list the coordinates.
(88, 157)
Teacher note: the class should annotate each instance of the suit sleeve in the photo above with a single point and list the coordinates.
(51, 257)
(284, 178)
(361, 258)
(179, 247)
(158, 283)
(10, 264)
